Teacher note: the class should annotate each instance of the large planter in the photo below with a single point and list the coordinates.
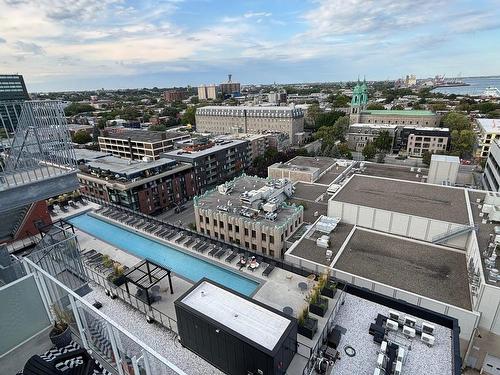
(117, 281)
(329, 291)
(62, 339)
(308, 328)
(320, 307)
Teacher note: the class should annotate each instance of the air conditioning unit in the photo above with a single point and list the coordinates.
(401, 354)
(428, 339)
(392, 325)
(393, 315)
(410, 322)
(381, 361)
(408, 331)
(399, 368)
(427, 328)
(383, 347)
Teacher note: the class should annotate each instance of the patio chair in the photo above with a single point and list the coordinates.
(220, 253)
(268, 270)
(88, 254)
(213, 251)
(231, 256)
(203, 248)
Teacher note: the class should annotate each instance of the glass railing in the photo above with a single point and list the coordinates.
(106, 341)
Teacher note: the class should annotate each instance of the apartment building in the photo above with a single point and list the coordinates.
(361, 134)
(488, 131)
(243, 119)
(146, 186)
(250, 211)
(213, 162)
(174, 95)
(491, 174)
(416, 141)
(137, 144)
(207, 92)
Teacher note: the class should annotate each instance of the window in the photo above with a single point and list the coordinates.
(215, 223)
(263, 236)
(237, 228)
(271, 253)
(271, 239)
(207, 220)
(247, 244)
(208, 232)
(221, 224)
(222, 236)
(202, 230)
(254, 234)
(246, 231)
(254, 246)
(230, 226)
(264, 250)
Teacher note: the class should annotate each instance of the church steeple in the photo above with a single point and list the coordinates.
(359, 100)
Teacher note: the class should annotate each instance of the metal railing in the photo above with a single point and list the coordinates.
(117, 291)
(106, 341)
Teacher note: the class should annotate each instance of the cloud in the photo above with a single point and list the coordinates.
(2, 40)
(257, 14)
(30, 48)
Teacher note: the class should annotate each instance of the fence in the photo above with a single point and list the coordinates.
(133, 301)
(109, 343)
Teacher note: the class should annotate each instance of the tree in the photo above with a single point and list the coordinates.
(76, 108)
(157, 128)
(341, 127)
(381, 157)
(369, 151)
(81, 137)
(313, 112)
(426, 158)
(462, 142)
(328, 118)
(398, 107)
(339, 101)
(189, 118)
(487, 107)
(375, 106)
(456, 121)
(383, 141)
(344, 151)
(170, 111)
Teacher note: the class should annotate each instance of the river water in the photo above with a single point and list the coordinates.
(476, 86)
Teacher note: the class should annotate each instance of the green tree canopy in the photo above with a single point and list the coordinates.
(81, 137)
(369, 151)
(462, 142)
(383, 141)
(456, 121)
(76, 108)
(158, 128)
(426, 158)
(339, 101)
(328, 118)
(189, 118)
(375, 106)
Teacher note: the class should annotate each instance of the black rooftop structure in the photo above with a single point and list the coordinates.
(145, 275)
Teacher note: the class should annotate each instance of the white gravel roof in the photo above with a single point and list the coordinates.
(249, 319)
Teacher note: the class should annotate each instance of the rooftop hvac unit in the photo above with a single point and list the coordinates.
(381, 360)
(428, 339)
(410, 322)
(399, 368)
(408, 331)
(427, 328)
(383, 347)
(393, 315)
(401, 354)
(392, 325)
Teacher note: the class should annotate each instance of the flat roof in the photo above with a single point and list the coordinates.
(329, 176)
(308, 249)
(125, 166)
(433, 271)
(320, 162)
(413, 198)
(399, 172)
(145, 135)
(84, 154)
(489, 125)
(446, 158)
(251, 320)
(207, 151)
(390, 112)
(309, 191)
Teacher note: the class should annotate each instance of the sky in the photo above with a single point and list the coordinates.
(61, 45)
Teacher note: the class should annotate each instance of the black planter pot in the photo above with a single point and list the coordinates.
(319, 308)
(116, 282)
(309, 328)
(328, 292)
(61, 340)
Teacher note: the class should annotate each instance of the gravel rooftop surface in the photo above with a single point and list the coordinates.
(163, 341)
(424, 200)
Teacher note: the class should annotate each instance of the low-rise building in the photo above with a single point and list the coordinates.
(146, 186)
(244, 119)
(415, 141)
(361, 134)
(491, 174)
(488, 129)
(137, 144)
(250, 211)
(174, 95)
(213, 162)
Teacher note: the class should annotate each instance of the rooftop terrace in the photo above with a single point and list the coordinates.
(430, 201)
(433, 271)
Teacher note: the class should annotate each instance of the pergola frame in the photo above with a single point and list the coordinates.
(145, 275)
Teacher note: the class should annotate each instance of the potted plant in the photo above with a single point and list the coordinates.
(117, 277)
(307, 325)
(328, 288)
(60, 335)
(318, 305)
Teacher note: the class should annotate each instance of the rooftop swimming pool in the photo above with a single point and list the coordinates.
(183, 264)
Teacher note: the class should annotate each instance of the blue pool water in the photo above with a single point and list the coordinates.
(185, 265)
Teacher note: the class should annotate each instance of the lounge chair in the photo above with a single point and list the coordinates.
(171, 235)
(268, 270)
(180, 239)
(213, 251)
(88, 254)
(220, 253)
(231, 256)
(189, 242)
(203, 248)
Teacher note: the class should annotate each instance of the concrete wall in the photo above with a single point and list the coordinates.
(396, 223)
